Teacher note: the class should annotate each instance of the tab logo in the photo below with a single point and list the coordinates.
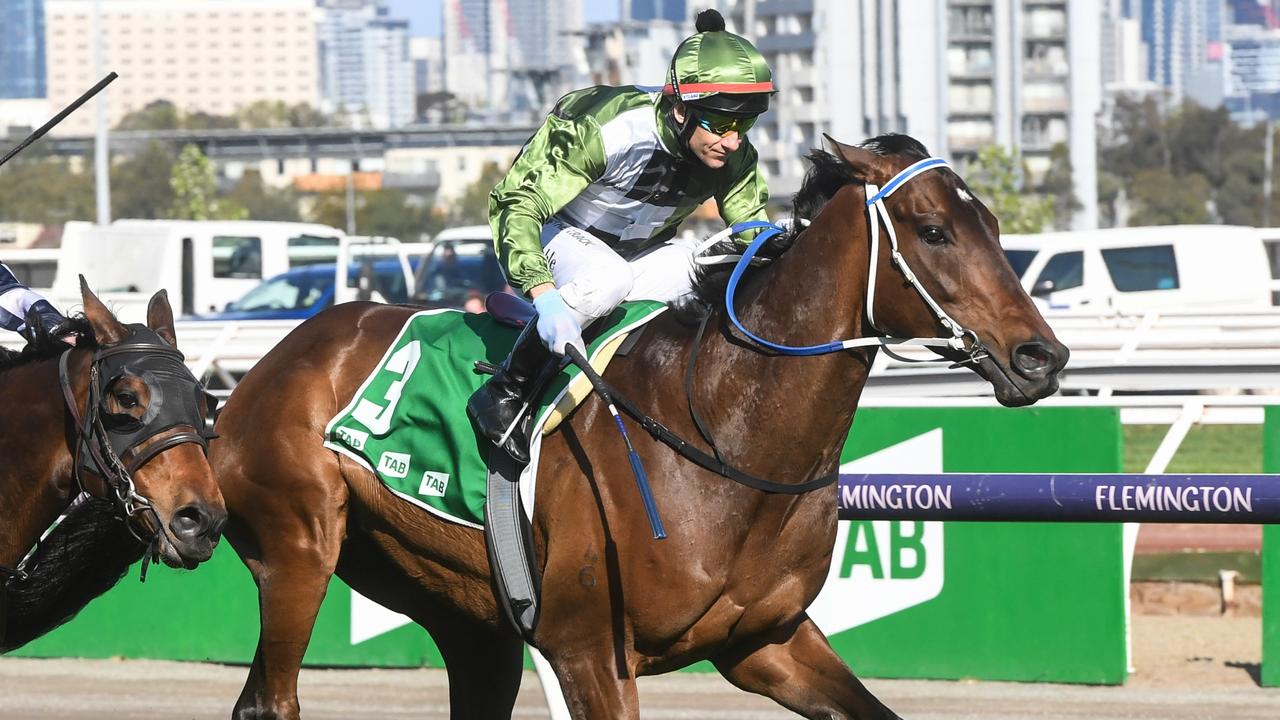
(354, 438)
(434, 484)
(394, 464)
(883, 567)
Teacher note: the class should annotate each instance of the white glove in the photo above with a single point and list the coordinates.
(557, 325)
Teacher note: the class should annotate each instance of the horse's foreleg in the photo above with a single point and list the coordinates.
(289, 601)
(592, 688)
(291, 562)
(796, 667)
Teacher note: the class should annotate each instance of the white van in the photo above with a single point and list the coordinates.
(1176, 267)
(203, 264)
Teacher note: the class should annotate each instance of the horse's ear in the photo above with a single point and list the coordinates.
(160, 317)
(865, 163)
(106, 328)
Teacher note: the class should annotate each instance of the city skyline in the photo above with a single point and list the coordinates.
(425, 16)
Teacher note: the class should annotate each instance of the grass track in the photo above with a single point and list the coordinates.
(1207, 448)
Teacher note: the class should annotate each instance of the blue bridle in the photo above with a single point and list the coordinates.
(877, 213)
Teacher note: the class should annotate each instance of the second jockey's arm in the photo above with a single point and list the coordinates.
(557, 163)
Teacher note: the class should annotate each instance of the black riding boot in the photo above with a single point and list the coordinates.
(502, 400)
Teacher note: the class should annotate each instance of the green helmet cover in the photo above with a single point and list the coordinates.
(720, 71)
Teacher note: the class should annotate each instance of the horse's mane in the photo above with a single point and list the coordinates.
(827, 174)
(46, 347)
(85, 556)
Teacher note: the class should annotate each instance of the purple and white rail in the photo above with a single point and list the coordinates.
(1062, 498)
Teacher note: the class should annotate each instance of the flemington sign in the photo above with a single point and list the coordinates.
(1013, 497)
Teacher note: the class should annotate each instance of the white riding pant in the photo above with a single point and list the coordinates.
(593, 279)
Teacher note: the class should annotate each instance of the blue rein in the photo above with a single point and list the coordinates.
(768, 231)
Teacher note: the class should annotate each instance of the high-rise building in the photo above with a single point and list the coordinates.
(1265, 13)
(22, 51)
(512, 57)
(674, 10)
(211, 56)
(632, 53)
(1252, 73)
(365, 68)
(1123, 55)
(1176, 35)
(427, 54)
(955, 74)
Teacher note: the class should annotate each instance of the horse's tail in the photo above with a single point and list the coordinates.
(83, 557)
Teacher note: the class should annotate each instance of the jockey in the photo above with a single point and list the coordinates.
(17, 300)
(586, 216)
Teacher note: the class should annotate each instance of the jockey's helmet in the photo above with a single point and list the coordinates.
(717, 71)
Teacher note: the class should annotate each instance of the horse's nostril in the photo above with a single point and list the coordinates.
(1034, 360)
(190, 522)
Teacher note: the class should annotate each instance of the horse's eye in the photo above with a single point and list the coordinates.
(933, 235)
(127, 400)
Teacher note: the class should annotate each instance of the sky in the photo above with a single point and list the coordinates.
(424, 15)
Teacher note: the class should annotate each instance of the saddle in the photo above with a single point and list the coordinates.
(509, 309)
(406, 425)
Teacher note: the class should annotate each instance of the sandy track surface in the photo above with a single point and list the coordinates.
(1186, 667)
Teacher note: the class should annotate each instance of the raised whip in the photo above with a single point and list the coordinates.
(39, 133)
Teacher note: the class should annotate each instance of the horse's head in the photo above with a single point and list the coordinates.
(143, 432)
(950, 240)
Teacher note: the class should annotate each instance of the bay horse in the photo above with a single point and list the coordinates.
(732, 581)
(119, 417)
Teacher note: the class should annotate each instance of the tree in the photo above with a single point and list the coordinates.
(1111, 189)
(157, 115)
(140, 183)
(388, 212)
(1182, 149)
(1163, 198)
(207, 121)
(44, 190)
(1059, 187)
(263, 202)
(278, 114)
(303, 115)
(195, 190)
(996, 178)
(473, 207)
(395, 213)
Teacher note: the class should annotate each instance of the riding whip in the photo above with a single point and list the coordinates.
(642, 479)
(39, 133)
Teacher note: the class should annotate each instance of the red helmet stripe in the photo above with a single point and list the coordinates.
(731, 88)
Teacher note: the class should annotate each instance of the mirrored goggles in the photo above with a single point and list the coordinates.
(722, 125)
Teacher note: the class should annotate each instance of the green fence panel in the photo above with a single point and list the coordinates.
(1271, 560)
(994, 601)
(212, 614)
(1016, 601)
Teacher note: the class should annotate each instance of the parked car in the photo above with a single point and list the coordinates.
(302, 292)
(459, 274)
(203, 264)
(460, 271)
(1182, 267)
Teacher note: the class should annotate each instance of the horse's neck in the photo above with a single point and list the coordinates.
(784, 416)
(35, 475)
